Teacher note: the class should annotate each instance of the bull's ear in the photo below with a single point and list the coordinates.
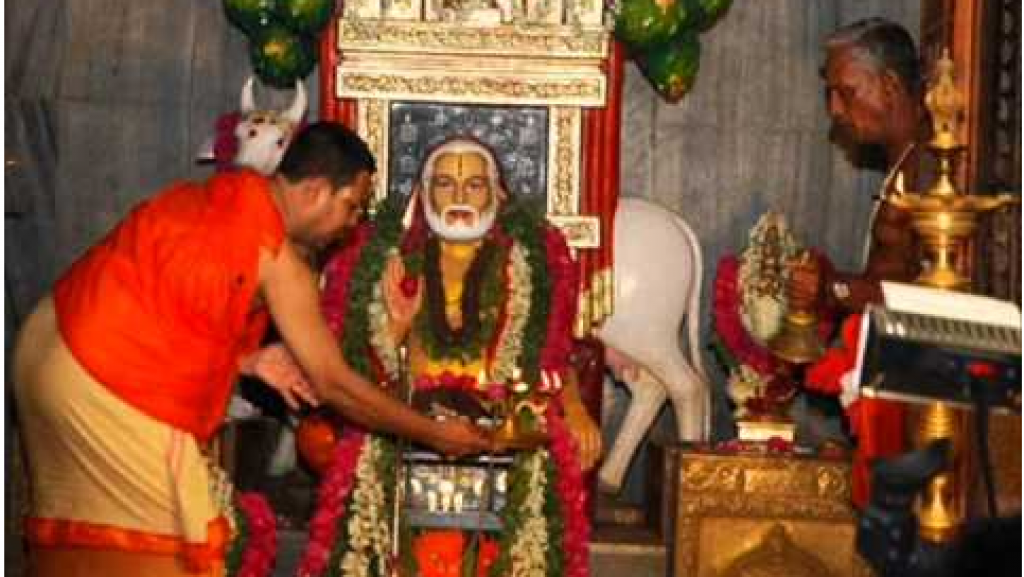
(205, 153)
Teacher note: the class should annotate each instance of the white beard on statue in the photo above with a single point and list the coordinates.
(460, 222)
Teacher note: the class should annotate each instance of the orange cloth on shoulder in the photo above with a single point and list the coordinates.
(159, 311)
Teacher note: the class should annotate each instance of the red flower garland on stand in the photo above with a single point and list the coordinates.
(554, 357)
(261, 549)
(330, 507)
(572, 494)
(340, 477)
(728, 326)
(334, 301)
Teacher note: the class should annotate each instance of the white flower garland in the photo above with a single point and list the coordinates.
(520, 295)
(369, 533)
(529, 546)
(222, 491)
(381, 340)
(762, 312)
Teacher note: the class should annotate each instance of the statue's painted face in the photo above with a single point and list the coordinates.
(461, 201)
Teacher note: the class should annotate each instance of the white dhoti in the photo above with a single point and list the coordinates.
(109, 484)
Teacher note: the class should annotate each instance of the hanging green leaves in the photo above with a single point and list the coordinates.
(282, 35)
(663, 38)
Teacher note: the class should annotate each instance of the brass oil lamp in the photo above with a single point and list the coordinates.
(944, 219)
(512, 433)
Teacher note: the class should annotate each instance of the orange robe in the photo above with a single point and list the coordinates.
(128, 367)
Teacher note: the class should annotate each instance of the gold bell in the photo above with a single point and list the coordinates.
(797, 341)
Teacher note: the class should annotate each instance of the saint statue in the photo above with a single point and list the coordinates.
(462, 302)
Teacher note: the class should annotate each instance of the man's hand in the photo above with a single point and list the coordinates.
(457, 437)
(586, 434)
(402, 298)
(805, 281)
(276, 367)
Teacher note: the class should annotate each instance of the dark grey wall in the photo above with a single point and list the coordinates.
(105, 102)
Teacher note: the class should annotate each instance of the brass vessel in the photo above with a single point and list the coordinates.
(797, 341)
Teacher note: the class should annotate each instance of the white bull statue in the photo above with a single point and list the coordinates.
(658, 271)
(255, 137)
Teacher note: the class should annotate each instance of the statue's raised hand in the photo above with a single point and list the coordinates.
(403, 297)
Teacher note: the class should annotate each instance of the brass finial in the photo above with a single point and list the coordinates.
(943, 216)
(945, 104)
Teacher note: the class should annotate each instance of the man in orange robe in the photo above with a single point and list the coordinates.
(124, 371)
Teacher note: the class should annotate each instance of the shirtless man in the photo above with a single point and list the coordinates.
(124, 371)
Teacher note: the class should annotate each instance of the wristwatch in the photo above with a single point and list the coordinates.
(841, 290)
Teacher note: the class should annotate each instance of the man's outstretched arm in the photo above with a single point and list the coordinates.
(289, 288)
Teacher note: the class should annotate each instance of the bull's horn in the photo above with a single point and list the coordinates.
(297, 109)
(248, 103)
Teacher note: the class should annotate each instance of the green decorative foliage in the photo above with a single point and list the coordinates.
(645, 23)
(355, 342)
(556, 522)
(690, 14)
(672, 68)
(280, 57)
(282, 35)
(713, 9)
(662, 36)
(252, 16)
(305, 16)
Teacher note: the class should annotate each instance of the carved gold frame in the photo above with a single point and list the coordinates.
(750, 499)
(555, 66)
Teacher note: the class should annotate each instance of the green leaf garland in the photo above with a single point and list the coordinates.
(387, 231)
